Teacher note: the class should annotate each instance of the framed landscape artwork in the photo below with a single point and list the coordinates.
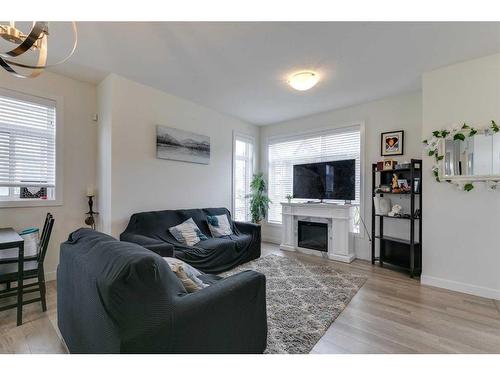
(392, 143)
(181, 145)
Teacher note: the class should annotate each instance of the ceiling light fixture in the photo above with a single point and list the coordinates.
(36, 41)
(303, 80)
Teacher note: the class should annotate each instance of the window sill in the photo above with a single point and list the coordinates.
(271, 224)
(30, 203)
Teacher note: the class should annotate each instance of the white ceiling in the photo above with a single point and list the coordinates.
(241, 68)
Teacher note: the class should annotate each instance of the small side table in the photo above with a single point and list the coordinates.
(10, 239)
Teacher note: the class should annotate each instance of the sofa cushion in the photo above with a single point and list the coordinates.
(188, 275)
(187, 233)
(217, 243)
(219, 225)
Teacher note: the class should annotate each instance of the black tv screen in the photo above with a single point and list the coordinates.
(327, 180)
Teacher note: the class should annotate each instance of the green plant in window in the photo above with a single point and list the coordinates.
(259, 201)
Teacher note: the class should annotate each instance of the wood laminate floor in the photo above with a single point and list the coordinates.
(391, 313)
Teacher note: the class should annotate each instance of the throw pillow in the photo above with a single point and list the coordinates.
(187, 233)
(219, 225)
(188, 275)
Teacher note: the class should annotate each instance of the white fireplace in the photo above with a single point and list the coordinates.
(338, 219)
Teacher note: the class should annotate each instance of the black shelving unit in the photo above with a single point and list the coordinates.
(401, 253)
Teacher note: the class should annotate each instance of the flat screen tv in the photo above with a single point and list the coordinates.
(327, 180)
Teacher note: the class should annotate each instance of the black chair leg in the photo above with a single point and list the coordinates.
(41, 284)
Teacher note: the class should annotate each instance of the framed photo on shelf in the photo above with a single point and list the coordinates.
(388, 164)
(392, 143)
(416, 188)
(403, 185)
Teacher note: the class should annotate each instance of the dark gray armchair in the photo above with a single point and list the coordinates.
(117, 297)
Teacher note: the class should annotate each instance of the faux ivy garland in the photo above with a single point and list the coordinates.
(456, 134)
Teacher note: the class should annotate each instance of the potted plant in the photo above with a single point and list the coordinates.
(288, 198)
(259, 201)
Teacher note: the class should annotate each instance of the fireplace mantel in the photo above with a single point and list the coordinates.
(338, 218)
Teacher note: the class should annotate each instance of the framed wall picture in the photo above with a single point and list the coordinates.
(181, 145)
(392, 143)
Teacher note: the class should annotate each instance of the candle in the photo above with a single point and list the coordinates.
(90, 191)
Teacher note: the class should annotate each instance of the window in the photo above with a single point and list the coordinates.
(329, 145)
(243, 169)
(27, 147)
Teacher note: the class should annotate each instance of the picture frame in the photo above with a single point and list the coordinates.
(416, 188)
(181, 145)
(404, 185)
(392, 143)
(388, 164)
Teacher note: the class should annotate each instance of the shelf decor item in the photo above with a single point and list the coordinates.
(402, 166)
(389, 165)
(403, 185)
(382, 205)
(395, 211)
(392, 143)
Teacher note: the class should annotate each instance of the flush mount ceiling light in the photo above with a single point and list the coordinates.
(303, 80)
(36, 41)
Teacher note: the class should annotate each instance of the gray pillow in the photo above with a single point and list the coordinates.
(219, 225)
(187, 274)
(187, 232)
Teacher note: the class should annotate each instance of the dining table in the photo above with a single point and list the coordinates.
(10, 239)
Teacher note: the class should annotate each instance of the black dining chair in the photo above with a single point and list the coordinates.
(33, 269)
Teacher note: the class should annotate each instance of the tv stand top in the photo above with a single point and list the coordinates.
(318, 203)
(322, 201)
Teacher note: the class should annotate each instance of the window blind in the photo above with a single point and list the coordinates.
(27, 141)
(325, 146)
(243, 172)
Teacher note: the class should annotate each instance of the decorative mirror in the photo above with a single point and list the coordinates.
(466, 155)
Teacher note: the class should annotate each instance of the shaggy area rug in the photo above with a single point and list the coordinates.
(303, 299)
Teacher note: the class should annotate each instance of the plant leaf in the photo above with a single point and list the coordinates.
(436, 133)
(431, 152)
(459, 137)
(472, 132)
(465, 126)
(494, 126)
(441, 157)
(444, 133)
(468, 187)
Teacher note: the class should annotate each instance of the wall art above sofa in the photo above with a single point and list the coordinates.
(181, 145)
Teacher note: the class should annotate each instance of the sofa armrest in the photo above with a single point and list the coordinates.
(164, 249)
(227, 317)
(246, 227)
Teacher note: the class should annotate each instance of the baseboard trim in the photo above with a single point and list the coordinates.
(457, 286)
(271, 240)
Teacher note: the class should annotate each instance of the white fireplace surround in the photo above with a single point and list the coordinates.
(338, 217)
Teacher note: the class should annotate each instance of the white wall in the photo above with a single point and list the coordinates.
(140, 181)
(461, 248)
(79, 158)
(401, 112)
